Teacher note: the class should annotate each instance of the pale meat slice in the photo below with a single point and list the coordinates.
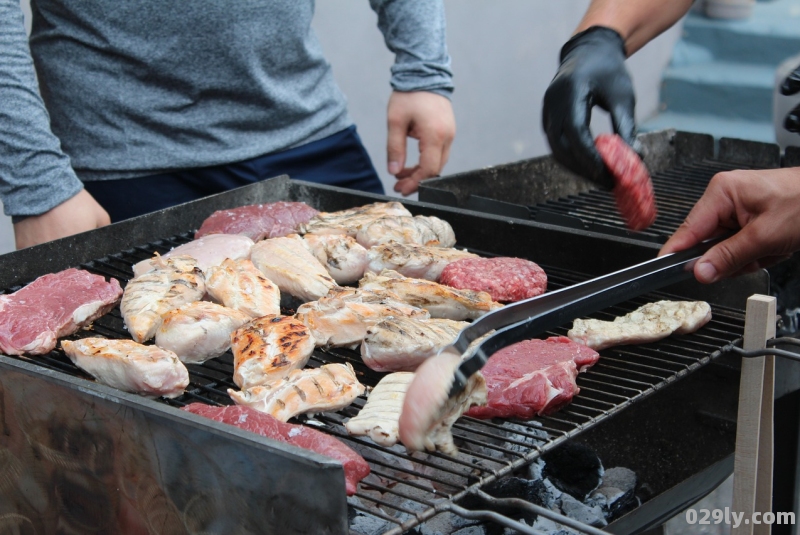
(268, 348)
(52, 306)
(341, 255)
(428, 413)
(288, 263)
(379, 418)
(258, 221)
(350, 221)
(239, 285)
(208, 251)
(410, 260)
(440, 300)
(199, 331)
(648, 323)
(402, 343)
(341, 318)
(421, 230)
(174, 282)
(128, 366)
(328, 388)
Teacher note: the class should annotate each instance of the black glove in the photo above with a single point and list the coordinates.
(592, 72)
(790, 86)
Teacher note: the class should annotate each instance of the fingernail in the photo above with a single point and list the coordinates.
(706, 272)
(394, 168)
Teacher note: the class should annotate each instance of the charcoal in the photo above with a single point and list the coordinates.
(576, 510)
(573, 468)
(616, 492)
(471, 530)
(511, 487)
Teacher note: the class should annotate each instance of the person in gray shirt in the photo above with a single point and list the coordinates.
(140, 93)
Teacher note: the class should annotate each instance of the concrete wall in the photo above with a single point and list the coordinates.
(504, 55)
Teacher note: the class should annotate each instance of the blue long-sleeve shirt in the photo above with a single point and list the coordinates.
(131, 88)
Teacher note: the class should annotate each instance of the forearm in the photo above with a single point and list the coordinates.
(35, 175)
(637, 22)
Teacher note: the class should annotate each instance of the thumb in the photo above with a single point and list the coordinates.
(396, 146)
(730, 256)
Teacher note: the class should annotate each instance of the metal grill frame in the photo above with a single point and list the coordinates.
(474, 231)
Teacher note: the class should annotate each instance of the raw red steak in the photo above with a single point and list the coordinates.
(52, 306)
(505, 279)
(633, 190)
(355, 467)
(533, 377)
(258, 221)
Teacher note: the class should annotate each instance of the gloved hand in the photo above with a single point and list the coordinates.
(592, 72)
(790, 86)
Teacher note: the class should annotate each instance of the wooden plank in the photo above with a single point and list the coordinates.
(751, 460)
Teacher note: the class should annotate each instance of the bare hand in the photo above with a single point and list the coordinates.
(765, 205)
(427, 117)
(77, 214)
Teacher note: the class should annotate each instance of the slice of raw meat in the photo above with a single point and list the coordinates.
(533, 377)
(258, 221)
(633, 190)
(53, 306)
(646, 324)
(209, 251)
(128, 366)
(355, 467)
(505, 279)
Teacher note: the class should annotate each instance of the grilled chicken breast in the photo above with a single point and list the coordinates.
(379, 418)
(328, 388)
(239, 285)
(420, 230)
(648, 323)
(341, 318)
(172, 283)
(268, 348)
(199, 331)
(350, 221)
(417, 261)
(440, 300)
(287, 262)
(341, 255)
(128, 366)
(403, 343)
(208, 251)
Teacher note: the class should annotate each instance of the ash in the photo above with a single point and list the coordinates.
(570, 481)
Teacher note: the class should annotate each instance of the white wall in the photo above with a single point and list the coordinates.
(504, 55)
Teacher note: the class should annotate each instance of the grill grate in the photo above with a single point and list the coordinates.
(677, 189)
(404, 489)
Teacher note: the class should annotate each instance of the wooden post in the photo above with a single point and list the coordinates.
(752, 472)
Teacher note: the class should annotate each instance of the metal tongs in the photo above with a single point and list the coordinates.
(526, 319)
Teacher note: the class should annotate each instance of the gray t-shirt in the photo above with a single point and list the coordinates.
(138, 87)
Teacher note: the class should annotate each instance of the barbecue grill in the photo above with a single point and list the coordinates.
(79, 457)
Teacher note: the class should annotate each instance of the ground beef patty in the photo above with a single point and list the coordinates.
(633, 189)
(505, 279)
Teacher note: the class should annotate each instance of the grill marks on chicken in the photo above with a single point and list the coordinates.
(287, 262)
(199, 331)
(350, 221)
(646, 324)
(417, 261)
(341, 318)
(440, 300)
(379, 417)
(268, 348)
(420, 230)
(328, 388)
(239, 285)
(128, 366)
(403, 343)
(341, 255)
(174, 282)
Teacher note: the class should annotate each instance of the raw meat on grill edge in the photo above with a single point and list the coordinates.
(355, 467)
(51, 307)
(533, 377)
(258, 221)
(633, 189)
(506, 279)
